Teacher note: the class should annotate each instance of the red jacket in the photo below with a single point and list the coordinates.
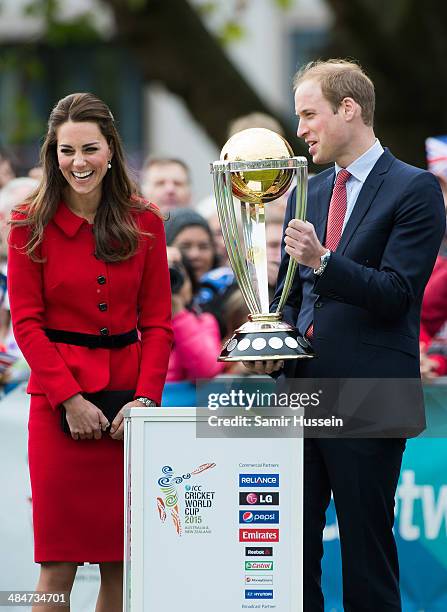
(73, 291)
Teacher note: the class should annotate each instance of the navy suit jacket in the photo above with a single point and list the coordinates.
(366, 305)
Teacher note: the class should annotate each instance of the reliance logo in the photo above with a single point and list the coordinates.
(259, 480)
(258, 535)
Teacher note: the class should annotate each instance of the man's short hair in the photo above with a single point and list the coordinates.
(341, 79)
(165, 161)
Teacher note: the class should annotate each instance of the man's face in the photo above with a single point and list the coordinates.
(6, 172)
(326, 133)
(167, 185)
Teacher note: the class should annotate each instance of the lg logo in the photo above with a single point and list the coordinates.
(258, 498)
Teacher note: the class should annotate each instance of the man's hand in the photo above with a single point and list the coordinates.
(302, 243)
(264, 367)
(428, 368)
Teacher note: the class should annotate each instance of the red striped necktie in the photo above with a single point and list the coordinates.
(335, 220)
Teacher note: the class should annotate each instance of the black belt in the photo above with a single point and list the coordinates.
(92, 340)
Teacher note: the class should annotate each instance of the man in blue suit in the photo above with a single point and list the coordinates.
(374, 226)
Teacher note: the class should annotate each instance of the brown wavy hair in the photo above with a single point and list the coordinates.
(115, 228)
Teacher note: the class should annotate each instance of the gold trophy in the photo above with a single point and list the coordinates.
(257, 166)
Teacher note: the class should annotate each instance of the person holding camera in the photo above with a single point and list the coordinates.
(197, 341)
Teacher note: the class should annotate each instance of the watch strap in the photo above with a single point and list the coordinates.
(146, 401)
(324, 259)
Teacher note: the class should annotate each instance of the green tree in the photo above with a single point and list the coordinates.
(402, 45)
(172, 45)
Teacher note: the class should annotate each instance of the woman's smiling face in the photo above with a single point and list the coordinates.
(83, 154)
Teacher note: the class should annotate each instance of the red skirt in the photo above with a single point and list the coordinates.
(77, 491)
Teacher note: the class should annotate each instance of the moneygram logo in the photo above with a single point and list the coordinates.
(259, 480)
(259, 517)
(258, 566)
(261, 580)
(258, 535)
(259, 551)
(258, 499)
(258, 593)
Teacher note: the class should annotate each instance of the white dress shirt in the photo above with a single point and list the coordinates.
(359, 170)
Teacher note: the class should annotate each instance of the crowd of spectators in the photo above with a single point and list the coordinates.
(207, 305)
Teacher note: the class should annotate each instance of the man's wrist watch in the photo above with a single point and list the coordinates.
(324, 259)
(146, 401)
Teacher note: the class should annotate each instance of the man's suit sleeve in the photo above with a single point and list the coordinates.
(407, 261)
(293, 303)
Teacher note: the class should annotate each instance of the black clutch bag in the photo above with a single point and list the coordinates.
(109, 402)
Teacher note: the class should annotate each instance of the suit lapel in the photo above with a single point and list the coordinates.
(323, 199)
(365, 198)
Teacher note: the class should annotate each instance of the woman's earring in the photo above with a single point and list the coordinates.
(109, 165)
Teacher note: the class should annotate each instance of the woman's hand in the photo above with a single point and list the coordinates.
(86, 421)
(174, 256)
(117, 429)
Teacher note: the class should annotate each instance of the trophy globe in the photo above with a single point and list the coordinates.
(258, 145)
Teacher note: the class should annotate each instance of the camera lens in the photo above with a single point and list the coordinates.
(177, 279)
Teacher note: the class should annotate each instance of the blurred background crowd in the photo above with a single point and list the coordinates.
(181, 77)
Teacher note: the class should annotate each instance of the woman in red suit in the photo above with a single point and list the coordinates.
(87, 269)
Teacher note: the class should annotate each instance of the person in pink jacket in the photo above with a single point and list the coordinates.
(197, 342)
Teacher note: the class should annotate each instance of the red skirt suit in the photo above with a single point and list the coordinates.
(77, 485)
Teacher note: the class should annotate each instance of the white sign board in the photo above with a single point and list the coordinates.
(212, 524)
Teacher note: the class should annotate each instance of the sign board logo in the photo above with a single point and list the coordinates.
(169, 500)
(259, 580)
(258, 593)
(258, 566)
(259, 535)
(259, 480)
(259, 551)
(258, 499)
(259, 517)
(250, 498)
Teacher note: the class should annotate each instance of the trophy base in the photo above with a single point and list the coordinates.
(263, 340)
